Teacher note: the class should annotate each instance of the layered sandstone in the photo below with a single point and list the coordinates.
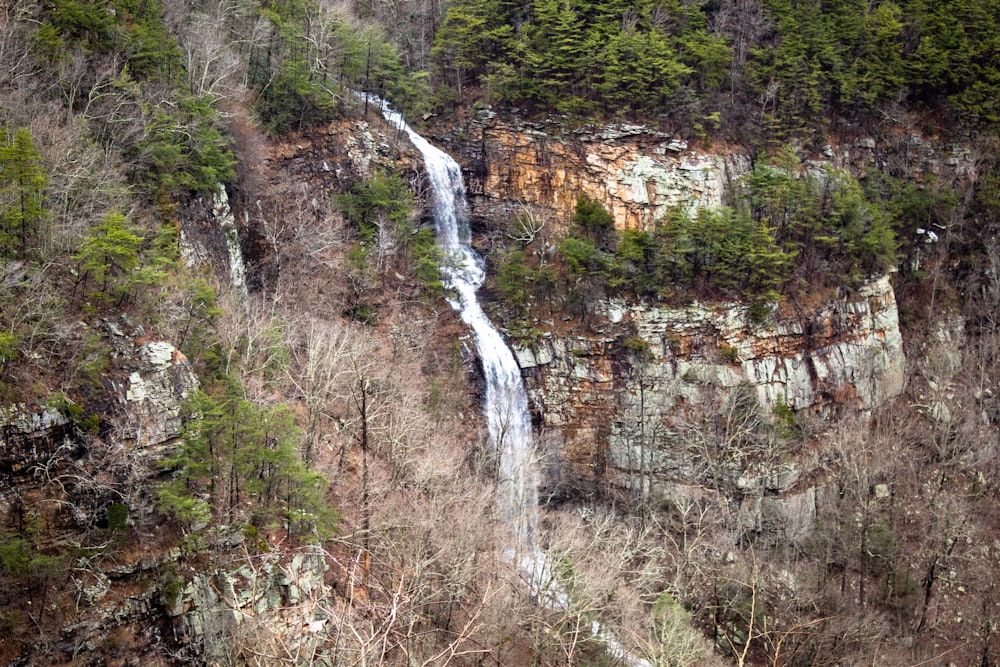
(637, 173)
(513, 166)
(651, 366)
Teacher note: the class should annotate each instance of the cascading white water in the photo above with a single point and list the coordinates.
(507, 417)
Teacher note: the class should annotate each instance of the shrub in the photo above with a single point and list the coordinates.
(591, 216)
(637, 346)
(380, 205)
(117, 517)
(580, 256)
(729, 353)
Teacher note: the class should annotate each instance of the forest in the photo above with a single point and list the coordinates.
(775, 67)
(336, 410)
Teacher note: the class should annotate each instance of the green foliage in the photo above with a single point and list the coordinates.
(132, 28)
(75, 414)
(170, 139)
(171, 585)
(827, 221)
(471, 36)
(15, 556)
(382, 204)
(381, 211)
(302, 76)
(787, 64)
(641, 70)
(109, 257)
(9, 348)
(182, 151)
(70, 23)
(637, 346)
(787, 229)
(426, 260)
(725, 247)
(580, 256)
(729, 353)
(116, 264)
(290, 100)
(576, 57)
(595, 221)
(854, 55)
(236, 462)
(512, 280)
(520, 281)
(785, 420)
(149, 48)
(860, 226)
(23, 180)
(676, 643)
(116, 515)
(197, 324)
(21, 559)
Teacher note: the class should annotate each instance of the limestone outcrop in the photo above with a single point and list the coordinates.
(635, 172)
(513, 165)
(649, 366)
(272, 600)
(145, 385)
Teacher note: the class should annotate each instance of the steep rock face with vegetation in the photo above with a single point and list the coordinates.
(619, 362)
(323, 490)
(636, 173)
(620, 395)
(514, 166)
(145, 387)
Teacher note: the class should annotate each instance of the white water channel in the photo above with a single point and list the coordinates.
(507, 416)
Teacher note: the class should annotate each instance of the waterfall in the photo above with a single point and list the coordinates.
(507, 416)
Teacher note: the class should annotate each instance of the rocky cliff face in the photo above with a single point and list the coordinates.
(143, 387)
(635, 172)
(277, 603)
(642, 364)
(638, 173)
(65, 468)
(61, 474)
(648, 369)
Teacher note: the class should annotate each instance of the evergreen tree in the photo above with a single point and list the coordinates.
(595, 220)
(23, 180)
(237, 462)
(108, 256)
(473, 35)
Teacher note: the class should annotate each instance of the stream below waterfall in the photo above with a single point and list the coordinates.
(507, 416)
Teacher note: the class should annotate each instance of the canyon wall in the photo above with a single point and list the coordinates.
(612, 392)
(514, 166)
(42, 447)
(620, 396)
(637, 173)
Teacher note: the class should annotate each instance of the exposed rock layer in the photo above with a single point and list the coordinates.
(514, 166)
(650, 365)
(635, 172)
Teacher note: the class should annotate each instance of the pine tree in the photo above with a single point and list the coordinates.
(23, 181)
(108, 256)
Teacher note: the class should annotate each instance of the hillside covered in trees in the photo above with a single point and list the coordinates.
(323, 411)
(743, 67)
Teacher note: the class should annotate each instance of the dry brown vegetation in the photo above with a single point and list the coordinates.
(896, 565)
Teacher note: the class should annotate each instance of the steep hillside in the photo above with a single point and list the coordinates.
(745, 253)
(805, 453)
